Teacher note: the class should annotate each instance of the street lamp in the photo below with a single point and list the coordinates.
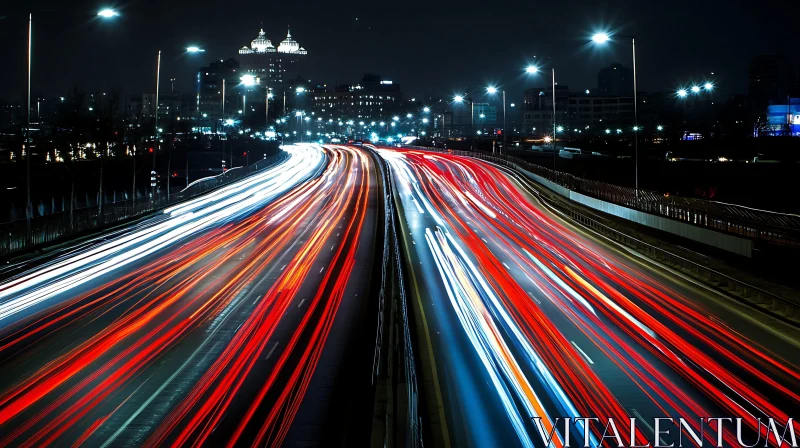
(531, 69)
(708, 86)
(491, 90)
(107, 13)
(248, 80)
(682, 93)
(194, 49)
(426, 109)
(695, 89)
(600, 39)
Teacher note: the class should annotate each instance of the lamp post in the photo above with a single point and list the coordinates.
(460, 99)
(26, 146)
(602, 38)
(492, 90)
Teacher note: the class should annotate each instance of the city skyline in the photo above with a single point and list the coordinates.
(122, 52)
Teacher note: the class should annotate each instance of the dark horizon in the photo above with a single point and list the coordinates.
(427, 48)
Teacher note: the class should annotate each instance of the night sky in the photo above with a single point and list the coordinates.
(428, 47)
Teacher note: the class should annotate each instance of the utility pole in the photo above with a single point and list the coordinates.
(27, 146)
(554, 118)
(155, 145)
(223, 125)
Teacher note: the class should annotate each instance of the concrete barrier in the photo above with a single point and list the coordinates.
(730, 243)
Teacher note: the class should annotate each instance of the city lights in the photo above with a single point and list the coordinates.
(248, 80)
(491, 90)
(682, 93)
(426, 109)
(695, 89)
(458, 98)
(531, 69)
(708, 86)
(194, 49)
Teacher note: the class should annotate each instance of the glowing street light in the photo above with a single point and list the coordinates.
(395, 118)
(608, 131)
(491, 90)
(408, 115)
(695, 89)
(107, 13)
(560, 129)
(682, 93)
(229, 122)
(708, 86)
(194, 49)
(600, 38)
(248, 80)
(531, 69)
(458, 98)
(481, 116)
(424, 120)
(659, 128)
(300, 89)
(426, 109)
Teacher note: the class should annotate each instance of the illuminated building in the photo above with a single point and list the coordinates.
(270, 64)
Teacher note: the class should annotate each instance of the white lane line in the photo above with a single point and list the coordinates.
(301, 303)
(534, 298)
(254, 301)
(648, 425)
(582, 352)
(413, 242)
(337, 234)
(504, 264)
(484, 240)
(333, 246)
(283, 267)
(270, 352)
(322, 269)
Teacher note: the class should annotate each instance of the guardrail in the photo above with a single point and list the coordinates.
(48, 229)
(758, 225)
(399, 340)
(782, 308)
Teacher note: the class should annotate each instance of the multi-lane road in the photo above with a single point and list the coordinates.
(530, 318)
(243, 317)
(226, 320)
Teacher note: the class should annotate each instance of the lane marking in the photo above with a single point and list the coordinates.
(647, 425)
(534, 297)
(254, 301)
(283, 267)
(272, 350)
(582, 352)
(323, 268)
(504, 264)
(301, 303)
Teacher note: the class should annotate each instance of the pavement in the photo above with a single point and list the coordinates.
(221, 321)
(530, 318)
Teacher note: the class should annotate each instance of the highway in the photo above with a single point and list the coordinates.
(224, 321)
(530, 318)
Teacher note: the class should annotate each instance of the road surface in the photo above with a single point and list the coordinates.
(225, 321)
(530, 318)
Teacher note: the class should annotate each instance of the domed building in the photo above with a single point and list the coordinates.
(273, 66)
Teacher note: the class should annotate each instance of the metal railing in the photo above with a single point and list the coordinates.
(759, 225)
(400, 339)
(49, 229)
(782, 308)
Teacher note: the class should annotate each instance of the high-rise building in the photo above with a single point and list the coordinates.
(372, 98)
(770, 79)
(274, 66)
(615, 80)
(209, 92)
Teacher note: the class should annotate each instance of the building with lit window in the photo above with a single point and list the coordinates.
(371, 99)
(784, 119)
(273, 65)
